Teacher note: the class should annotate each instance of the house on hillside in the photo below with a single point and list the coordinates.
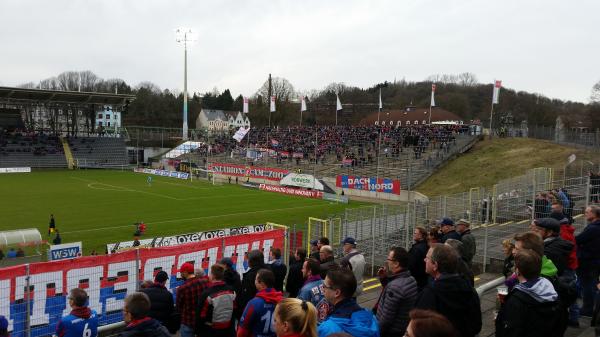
(220, 120)
(412, 116)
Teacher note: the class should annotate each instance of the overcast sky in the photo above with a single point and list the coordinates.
(549, 47)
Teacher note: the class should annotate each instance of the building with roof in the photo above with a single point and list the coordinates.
(412, 116)
(221, 120)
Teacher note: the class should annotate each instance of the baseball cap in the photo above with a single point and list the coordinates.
(548, 223)
(349, 240)
(161, 277)
(447, 222)
(187, 268)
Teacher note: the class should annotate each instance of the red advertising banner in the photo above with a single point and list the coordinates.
(268, 173)
(292, 191)
(108, 279)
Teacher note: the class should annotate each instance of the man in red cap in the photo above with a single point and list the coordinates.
(186, 297)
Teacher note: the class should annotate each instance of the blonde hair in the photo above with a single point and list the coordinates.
(300, 315)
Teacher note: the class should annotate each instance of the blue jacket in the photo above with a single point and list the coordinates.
(80, 322)
(257, 318)
(588, 242)
(312, 291)
(350, 318)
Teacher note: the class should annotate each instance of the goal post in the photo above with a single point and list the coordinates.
(316, 228)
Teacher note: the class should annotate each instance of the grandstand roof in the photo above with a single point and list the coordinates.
(11, 94)
(411, 114)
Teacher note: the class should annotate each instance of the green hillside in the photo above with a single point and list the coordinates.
(490, 161)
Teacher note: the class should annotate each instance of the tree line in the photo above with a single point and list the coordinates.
(462, 94)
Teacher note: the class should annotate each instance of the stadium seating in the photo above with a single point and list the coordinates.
(99, 152)
(31, 150)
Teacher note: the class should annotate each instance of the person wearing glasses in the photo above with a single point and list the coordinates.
(347, 316)
(139, 324)
(398, 295)
(82, 321)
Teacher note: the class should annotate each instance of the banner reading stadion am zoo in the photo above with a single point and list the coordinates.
(268, 173)
(108, 279)
(369, 184)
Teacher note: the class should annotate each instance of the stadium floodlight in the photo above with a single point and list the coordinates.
(185, 36)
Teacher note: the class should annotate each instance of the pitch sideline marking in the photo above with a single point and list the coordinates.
(196, 218)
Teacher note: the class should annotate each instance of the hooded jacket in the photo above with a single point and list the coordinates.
(588, 242)
(146, 327)
(558, 250)
(453, 297)
(528, 309)
(349, 317)
(567, 232)
(262, 305)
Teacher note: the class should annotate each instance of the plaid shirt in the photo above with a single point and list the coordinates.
(187, 299)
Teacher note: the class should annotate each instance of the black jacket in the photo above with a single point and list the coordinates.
(396, 300)
(326, 265)
(149, 328)
(295, 280)
(416, 262)
(161, 305)
(522, 316)
(558, 250)
(248, 289)
(280, 270)
(233, 279)
(588, 242)
(453, 297)
(450, 235)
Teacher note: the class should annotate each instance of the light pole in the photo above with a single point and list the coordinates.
(184, 35)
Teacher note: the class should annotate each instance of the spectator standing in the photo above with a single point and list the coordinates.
(278, 267)
(531, 308)
(215, 310)
(416, 257)
(295, 318)
(312, 290)
(555, 248)
(449, 294)
(346, 316)
(257, 317)
(354, 261)
(256, 261)
(462, 268)
(82, 321)
(327, 260)
(187, 298)
(295, 275)
(463, 227)
(323, 241)
(162, 306)
(448, 230)
(588, 254)
(139, 324)
(427, 323)
(434, 235)
(232, 277)
(314, 249)
(398, 295)
(509, 259)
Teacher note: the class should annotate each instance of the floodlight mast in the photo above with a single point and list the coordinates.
(185, 35)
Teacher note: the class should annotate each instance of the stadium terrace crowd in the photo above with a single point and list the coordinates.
(426, 291)
(355, 144)
(15, 141)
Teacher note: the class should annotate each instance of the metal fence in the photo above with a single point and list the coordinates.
(495, 213)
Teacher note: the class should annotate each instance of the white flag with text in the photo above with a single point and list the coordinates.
(496, 94)
(246, 105)
(272, 104)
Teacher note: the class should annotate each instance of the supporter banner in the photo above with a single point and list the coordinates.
(302, 180)
(64, 251)
(164, 173)
(368, 184)
(292, 191)
(186, 238)
(15, 169)
(108, 279)
(268, 173)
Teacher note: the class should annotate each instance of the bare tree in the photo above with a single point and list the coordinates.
(467, 79)
(595, 97)
(282, 89)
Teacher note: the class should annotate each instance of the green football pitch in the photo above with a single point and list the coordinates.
(99, 207)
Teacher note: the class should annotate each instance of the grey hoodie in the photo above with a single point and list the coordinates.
(540, 290)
